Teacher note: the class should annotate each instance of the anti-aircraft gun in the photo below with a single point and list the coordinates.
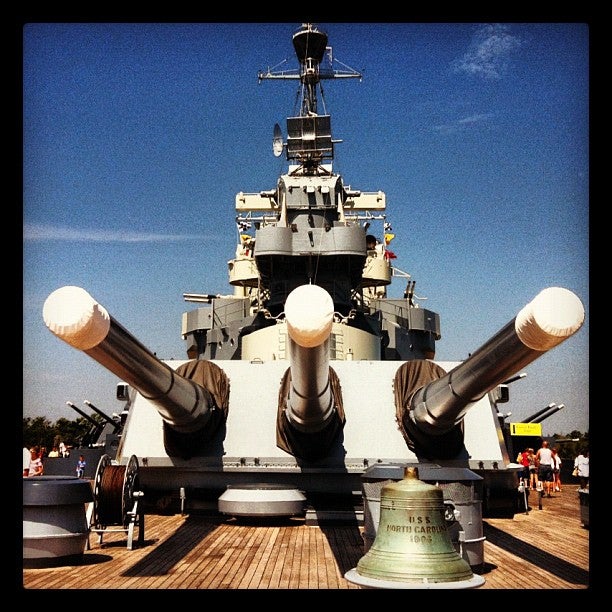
(98, 430)
(91, 437)
(309, 374)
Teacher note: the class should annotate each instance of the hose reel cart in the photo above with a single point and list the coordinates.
(116, 506)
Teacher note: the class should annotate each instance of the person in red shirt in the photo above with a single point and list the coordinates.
(523, 459)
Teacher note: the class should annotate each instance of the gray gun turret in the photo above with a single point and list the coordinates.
(431, 413)
(191, 411)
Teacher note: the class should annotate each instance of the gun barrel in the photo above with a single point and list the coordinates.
(535, 415)
(85, 415)
(104, 416)
(551, 317)
(77, 319)
(548, 413)
(309, 312)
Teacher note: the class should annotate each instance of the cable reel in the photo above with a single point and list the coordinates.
(116, 499)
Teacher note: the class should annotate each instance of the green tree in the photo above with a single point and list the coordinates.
(39, 431)
(572, 444)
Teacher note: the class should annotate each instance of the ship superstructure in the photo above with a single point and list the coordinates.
(311, 229)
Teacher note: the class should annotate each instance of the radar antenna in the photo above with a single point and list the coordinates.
(309, 139)
(277, 141)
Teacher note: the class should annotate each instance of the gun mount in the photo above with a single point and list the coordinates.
(329, 375)
(93, 435)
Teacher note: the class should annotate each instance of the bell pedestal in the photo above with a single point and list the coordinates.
(374, 583)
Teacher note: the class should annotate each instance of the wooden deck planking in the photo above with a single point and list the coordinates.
(261, 558)
(219, 546)
(551, 543)
(544, 549)
(294, 581)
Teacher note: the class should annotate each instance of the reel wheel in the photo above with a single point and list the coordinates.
(115, 492)
(131, 484)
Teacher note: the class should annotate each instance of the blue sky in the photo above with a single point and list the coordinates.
(137, 138)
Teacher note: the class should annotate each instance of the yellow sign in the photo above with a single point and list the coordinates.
(526, 429)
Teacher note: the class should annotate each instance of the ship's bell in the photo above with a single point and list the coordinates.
(412, 548)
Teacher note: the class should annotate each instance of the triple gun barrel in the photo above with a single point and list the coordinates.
(434, 411)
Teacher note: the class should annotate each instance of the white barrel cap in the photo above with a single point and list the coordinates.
(552, 316)
(75, 317)
(309, 313)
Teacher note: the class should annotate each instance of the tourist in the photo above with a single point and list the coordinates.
(581, 468)
(80, 467)
(26, 461)
(556, 469)
(36, 465)
(523, 459)
(544, 461)
(533, 472)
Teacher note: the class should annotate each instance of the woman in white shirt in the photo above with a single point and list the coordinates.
(556, 469)
(581, 463)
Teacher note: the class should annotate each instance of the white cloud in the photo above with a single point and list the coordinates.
(488, 53)
(38, 232)
(462, 124)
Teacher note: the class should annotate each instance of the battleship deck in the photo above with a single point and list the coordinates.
(542, 549)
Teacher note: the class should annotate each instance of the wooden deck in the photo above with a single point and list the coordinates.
(544, 549)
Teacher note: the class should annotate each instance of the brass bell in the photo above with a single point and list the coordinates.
(412, 548)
